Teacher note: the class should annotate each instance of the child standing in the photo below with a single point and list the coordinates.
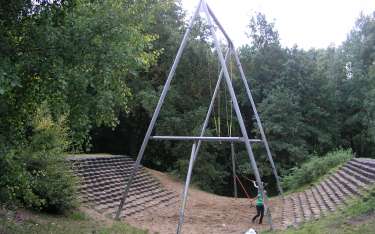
(259, 207)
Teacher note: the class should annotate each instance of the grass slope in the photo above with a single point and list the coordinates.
(357, 218)
(26, 222)
(314, 170)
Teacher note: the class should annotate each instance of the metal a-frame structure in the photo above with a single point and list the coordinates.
(211, 19)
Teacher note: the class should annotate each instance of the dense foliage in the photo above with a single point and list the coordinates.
(35, 175)
(70, 58)
(102, 65)
(72, 55)
(316, 167)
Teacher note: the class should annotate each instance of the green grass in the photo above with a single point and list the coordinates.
(314, 169)
(357, 218)
(314, 181)
(74, 223)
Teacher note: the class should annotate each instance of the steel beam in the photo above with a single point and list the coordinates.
(243, 77)
(233, 169)
(235, 104)
(259, 123)
(202, 138)
(186, 188)
(220, 26)
(157, 110)
(195, 150)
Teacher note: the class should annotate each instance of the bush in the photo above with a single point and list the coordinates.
(15, 186)
(313, 169)
(36, 175)
(364, 206)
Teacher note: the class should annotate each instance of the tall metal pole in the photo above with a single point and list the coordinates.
(195, 150)
(233, 169)
(235, 103)
(185, 193)
(157, 110)
(263, 135)
(243, 77)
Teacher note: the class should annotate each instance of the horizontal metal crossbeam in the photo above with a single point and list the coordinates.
(195, 138)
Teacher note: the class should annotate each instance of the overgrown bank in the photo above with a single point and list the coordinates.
(357, 217)
(75, 222)
(313, 169)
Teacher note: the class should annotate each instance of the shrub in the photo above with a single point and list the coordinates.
(36, 174)
(313, 169)
(15, 186)
(364, 206)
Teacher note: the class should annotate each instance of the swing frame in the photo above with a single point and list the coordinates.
(212, 21)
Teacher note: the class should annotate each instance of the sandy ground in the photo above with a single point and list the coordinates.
(204, 213)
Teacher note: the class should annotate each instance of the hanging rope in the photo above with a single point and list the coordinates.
(243, 187)
(218, 104)
(231, 103)
(226, 109)
(229, 117)
(229, 121)
(216, 119)
(247, 195)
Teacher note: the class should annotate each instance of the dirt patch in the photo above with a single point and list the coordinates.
(98, 217)
(361, 219)
(204, 213)
(18, 216)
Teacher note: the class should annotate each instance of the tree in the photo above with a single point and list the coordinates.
(75, 56)
(71, 59)
(357, 89)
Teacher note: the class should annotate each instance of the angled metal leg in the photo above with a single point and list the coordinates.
(186, 188)
(263, 135)
(235, 102)
(233, 169)
(195, 150)
(156, 113)
(243, 77)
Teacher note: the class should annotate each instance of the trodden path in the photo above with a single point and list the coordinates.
(204, 213)
(154, 198)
